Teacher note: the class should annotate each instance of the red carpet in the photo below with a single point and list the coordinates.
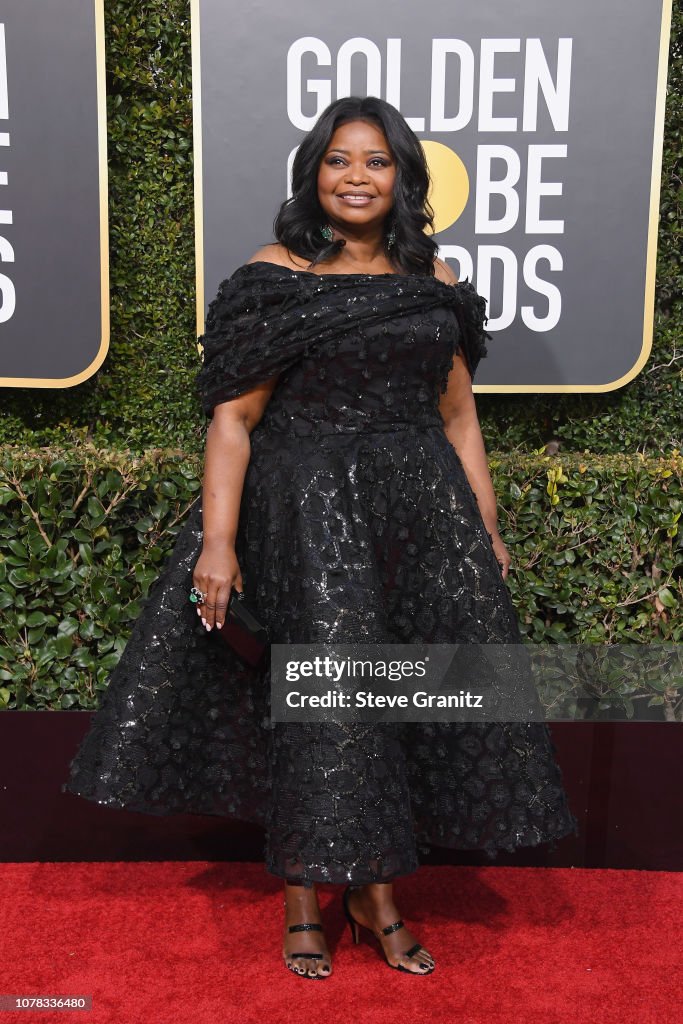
(199, 943)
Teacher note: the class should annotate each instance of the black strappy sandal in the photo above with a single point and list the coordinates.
(306, 956)
(354, 926)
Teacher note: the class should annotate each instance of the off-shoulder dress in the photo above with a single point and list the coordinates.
(357, 523)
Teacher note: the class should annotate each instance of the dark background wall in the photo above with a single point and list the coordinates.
(143, 395)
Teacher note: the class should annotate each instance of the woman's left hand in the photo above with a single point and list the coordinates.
(501, 552)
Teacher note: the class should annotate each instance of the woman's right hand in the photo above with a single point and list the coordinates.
(217, 571)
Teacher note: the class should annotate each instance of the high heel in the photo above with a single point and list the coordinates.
(355, 925)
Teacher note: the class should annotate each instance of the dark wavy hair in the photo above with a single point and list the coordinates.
(300, 218)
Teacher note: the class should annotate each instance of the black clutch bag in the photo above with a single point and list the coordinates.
(242, 631)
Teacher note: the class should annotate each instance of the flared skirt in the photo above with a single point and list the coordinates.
(362, 537)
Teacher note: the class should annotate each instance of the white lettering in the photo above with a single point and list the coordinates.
(485, 258)
(368, 699)
(373, 58)
(393, 83)
(441, 48)
(318, 86)
(556, 94)
(8, 301)
(488, 85)
(505, 187)
(4, 96)
(393, 79)
(535, 188)
(465, 264)
(551, 291)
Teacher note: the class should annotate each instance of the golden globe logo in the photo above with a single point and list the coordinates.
(515, 186)
(450, 188)
(7, 290)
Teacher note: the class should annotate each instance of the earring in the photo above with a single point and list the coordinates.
(391, 238)
(326, 232)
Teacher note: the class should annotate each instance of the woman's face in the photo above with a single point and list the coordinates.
(356, 176)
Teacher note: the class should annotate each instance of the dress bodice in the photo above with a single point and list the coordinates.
(370, 377)
(351, 351)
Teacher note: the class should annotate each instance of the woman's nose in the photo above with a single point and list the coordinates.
(357, 174)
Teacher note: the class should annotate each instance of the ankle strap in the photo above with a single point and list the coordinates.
(305, 928)
(392, 927)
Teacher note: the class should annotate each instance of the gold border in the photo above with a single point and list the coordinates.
(653, 221)
(197, 164)
(78, 378)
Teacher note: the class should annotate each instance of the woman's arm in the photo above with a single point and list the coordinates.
(227, 454)
(462, 429)
(461, 426)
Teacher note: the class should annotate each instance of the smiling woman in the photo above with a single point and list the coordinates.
(357, 173)
(347, 495)
(360, 175)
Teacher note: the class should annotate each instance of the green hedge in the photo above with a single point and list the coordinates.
(87, 519)
(143, 396)
(596, 554)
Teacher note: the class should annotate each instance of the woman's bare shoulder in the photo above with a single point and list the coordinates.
(280, 255)
(443, 272)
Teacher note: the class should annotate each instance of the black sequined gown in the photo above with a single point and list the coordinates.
(357, 523)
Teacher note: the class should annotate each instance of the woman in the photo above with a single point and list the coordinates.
(346, 494)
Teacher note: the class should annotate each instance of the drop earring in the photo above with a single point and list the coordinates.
(391, 238)
(326, 232)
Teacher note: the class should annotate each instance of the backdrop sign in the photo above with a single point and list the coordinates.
(54, 276)
(542, 124)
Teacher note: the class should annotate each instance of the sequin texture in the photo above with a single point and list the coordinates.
(357, 524)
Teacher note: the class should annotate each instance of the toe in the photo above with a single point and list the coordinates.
(310, 967)
(321, 968)
(424, 954)
(418, 963)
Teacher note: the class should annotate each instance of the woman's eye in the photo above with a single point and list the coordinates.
(376, 161)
